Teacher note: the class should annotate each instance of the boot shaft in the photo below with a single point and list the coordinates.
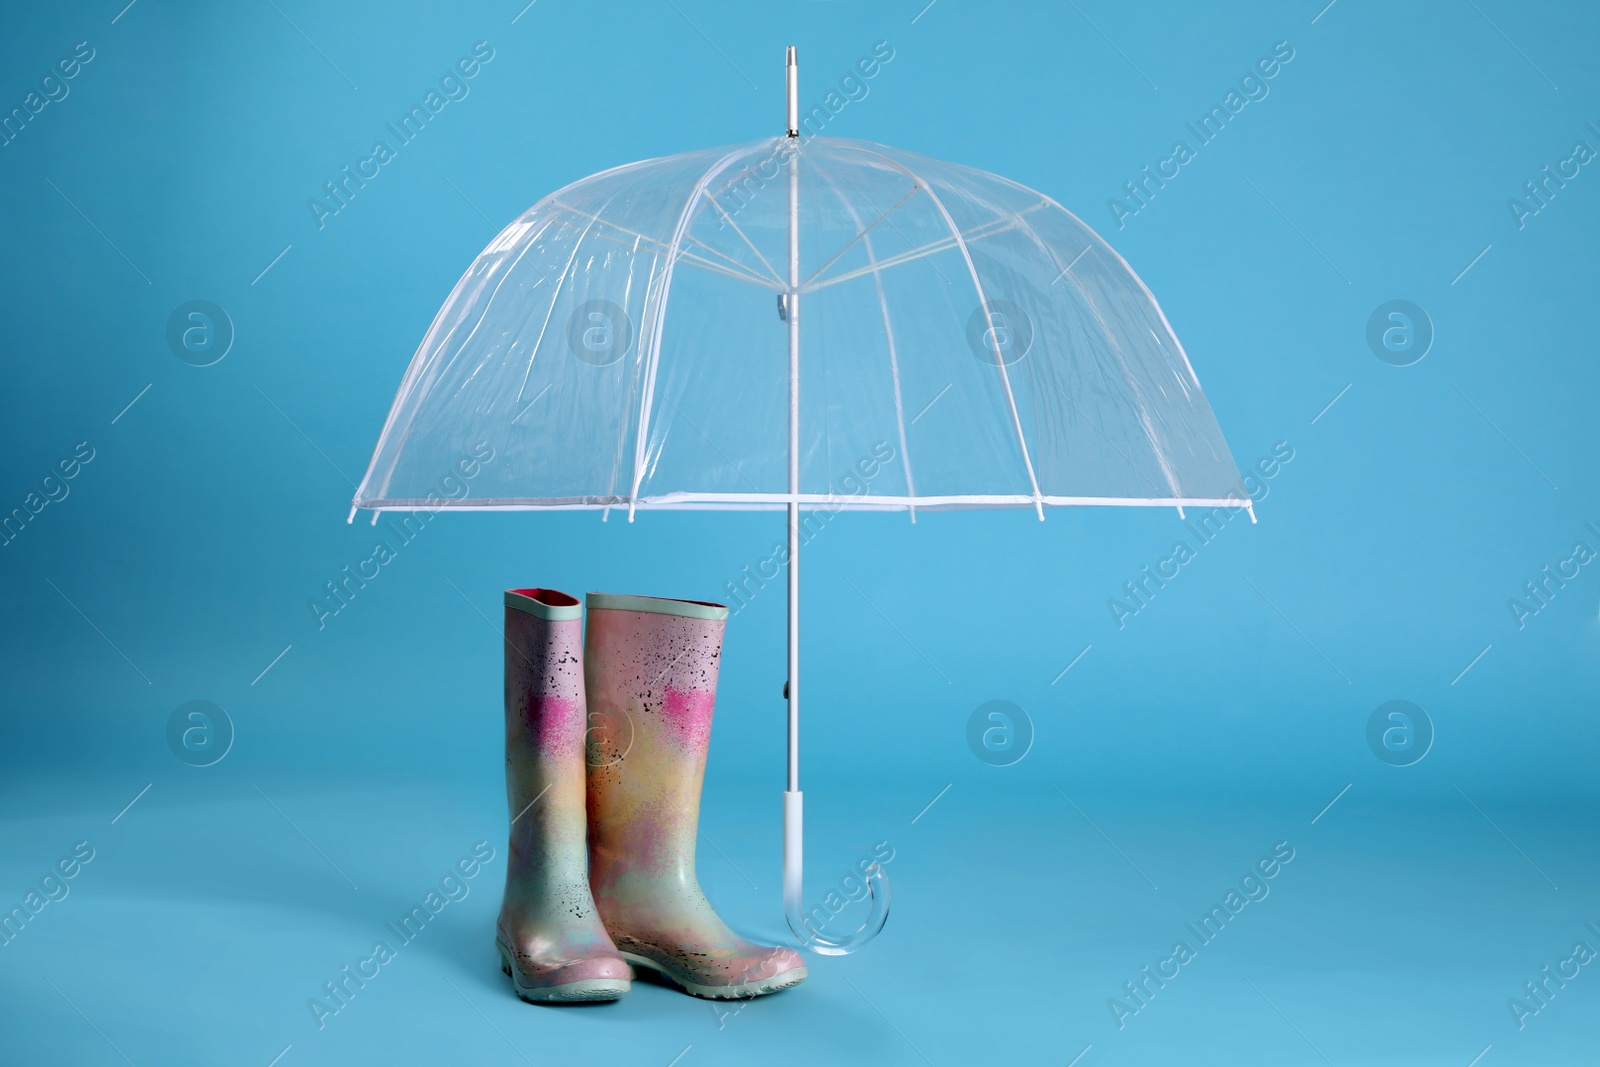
(650, 670)
(545, 722)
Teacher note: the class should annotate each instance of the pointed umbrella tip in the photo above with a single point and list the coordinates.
(793, 80)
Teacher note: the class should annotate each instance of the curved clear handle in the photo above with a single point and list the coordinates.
(794, 911)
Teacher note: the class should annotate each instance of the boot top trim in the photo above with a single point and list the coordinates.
(689, 609)
(551, 605)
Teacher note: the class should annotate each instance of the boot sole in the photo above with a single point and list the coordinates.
(588, 989)
(741, 991)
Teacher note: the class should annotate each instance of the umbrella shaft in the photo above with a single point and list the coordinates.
(793, 321)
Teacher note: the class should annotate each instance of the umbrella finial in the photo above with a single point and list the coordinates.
(794, 94)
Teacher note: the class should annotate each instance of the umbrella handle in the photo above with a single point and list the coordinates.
(877, 883)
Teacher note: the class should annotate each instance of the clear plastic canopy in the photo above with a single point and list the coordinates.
(963, 342)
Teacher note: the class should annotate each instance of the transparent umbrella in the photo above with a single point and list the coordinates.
(801, 325)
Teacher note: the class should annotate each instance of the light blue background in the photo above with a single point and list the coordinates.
(1220, 720)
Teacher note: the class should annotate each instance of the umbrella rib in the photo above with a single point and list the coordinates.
(696, 261)
(749, 279)
(752, 275)
(1144, 417)
(888, 328)
(659, 320)
(914, 183)
(987, 229)
(983, 300)
(1154, 304)
(741, 271)
(622, 423)
(1138, 394)
(748, 274)
(861, 232)
(729, 219)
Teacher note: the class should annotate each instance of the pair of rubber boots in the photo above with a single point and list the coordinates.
(606, 737)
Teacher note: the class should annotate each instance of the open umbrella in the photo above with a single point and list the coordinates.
(636, 340)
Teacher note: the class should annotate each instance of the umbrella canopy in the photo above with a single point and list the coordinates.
(624, 343)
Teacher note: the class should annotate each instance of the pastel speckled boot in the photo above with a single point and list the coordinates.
(551, 941)
(650, 668)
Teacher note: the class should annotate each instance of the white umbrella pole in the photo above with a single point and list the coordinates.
(793, 835)
(876, 881)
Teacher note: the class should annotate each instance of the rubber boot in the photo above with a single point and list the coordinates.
(552, 943)
(650, 666)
